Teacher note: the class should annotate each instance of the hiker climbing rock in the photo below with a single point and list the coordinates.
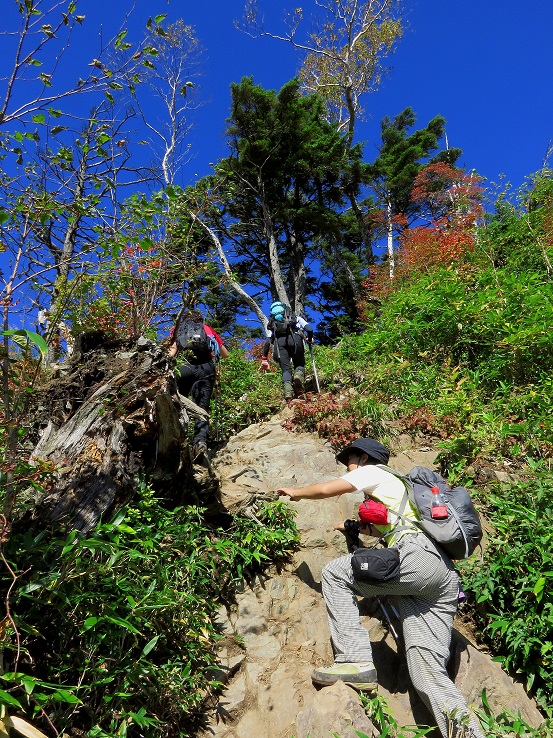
(285, 333)
(200, 347)
(424, 586)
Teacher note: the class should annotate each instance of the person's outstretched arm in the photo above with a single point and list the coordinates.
(318, 491)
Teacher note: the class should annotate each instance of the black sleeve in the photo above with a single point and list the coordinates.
(266, 346)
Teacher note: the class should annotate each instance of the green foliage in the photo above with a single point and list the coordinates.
(402, 155)
(502, 725)
(23, 338)
(514, 586)
(380, 714)
(246, 395)
(509, 725)
(484, 319)
(118, 629)
(278, 195)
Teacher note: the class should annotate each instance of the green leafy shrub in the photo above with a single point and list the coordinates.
(114, 633)
(502, 725)
(514, 584)
(246, 395)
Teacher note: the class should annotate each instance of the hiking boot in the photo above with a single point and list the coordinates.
(288, 390)
(299, 379)
(199, 450)
(359, 676)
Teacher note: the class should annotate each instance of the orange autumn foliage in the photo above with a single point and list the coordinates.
(450, 206)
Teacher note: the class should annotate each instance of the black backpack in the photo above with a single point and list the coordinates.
(458, 534)
(191, 336)
(284, 327)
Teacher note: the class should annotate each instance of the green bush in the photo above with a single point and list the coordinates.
(513, 585)
(114, 634)
(246, 395)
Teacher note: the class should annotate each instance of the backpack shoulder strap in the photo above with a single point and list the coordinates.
(408, 524)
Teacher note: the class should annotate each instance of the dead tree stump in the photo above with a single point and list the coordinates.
(107, 416)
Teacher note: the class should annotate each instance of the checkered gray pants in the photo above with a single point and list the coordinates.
(425, 595)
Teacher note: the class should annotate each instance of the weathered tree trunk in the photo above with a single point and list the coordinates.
(124, 417)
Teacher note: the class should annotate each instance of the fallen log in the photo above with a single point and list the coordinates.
(105, 418)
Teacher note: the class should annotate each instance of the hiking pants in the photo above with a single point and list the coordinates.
(197, 381)
(290, 351)
(425, 596)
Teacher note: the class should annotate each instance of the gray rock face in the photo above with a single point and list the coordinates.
(281, 622)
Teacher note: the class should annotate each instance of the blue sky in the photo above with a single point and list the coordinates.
(486, 66)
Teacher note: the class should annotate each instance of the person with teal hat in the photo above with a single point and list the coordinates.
(285, 333)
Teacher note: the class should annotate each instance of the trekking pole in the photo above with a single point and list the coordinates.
(388, 617)
(314, 368)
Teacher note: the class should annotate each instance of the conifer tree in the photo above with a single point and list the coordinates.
(280, 189)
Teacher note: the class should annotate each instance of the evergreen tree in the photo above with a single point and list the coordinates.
(280, 190)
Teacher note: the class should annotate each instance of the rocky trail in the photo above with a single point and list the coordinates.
(114, 410)
(277, 631)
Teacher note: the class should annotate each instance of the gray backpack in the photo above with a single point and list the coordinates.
(458, 534)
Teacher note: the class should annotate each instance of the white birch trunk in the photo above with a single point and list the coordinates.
(248, 299)
(390, 240)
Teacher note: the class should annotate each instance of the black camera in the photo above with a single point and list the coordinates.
(351, 527)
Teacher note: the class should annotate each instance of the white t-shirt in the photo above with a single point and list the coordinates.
(385, 488)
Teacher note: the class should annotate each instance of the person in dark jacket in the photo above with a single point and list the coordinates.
(285, 333)
(196, 378)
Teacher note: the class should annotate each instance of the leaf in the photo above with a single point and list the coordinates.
(30, 336)
(150, 645)
(29, 683)
(23, 727)
(39, 118)
(159, 18)
(7, 699)
(126, 529)
(123, 623)
(120, 38)
(539, 587)
(62, 695)
(90, 623)
(119, 518)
